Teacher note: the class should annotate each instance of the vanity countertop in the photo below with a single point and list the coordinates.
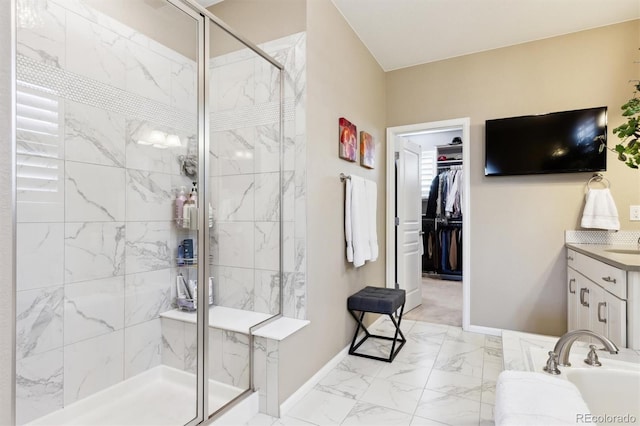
(607, 253)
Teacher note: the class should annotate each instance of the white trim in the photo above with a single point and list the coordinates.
(392, 132)
(485, 330)
(309, 384)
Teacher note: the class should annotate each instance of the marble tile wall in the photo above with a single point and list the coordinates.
(95, 239)
(228, 352)
(96, 243)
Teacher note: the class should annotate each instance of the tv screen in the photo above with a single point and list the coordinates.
(559, 142)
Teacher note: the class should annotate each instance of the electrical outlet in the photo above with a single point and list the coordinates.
(634, 213)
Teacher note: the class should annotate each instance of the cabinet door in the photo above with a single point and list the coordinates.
(572, 300)
(616, 317)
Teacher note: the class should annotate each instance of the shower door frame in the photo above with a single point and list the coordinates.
(204, 144)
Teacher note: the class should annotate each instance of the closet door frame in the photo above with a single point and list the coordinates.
(453, 124)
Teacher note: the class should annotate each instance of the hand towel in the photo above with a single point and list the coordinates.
(372, 207)
(347, 221)
(528, 398)
(600, 210)
(359, 222)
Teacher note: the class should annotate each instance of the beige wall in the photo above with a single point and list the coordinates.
(517, 256)
(343, 81)
(7, 341)
(262, 20)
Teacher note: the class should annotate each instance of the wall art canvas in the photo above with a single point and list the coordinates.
(348, 140)
(367, 150)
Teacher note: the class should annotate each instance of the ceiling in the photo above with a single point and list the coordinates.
(403, 33)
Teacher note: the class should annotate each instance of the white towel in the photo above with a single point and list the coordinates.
(372, 207)
(348, 234)
(600, 210)
(359, 222)
(527, 398)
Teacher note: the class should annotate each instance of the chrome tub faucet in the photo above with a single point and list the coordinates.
(563, 346)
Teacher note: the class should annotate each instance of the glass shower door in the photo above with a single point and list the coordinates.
(108, 129)
(246, 182)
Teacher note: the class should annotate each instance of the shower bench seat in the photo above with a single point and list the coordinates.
(221, 317)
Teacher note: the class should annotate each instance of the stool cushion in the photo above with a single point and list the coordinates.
(376, 299)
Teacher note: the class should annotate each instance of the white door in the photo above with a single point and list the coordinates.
(409, 222)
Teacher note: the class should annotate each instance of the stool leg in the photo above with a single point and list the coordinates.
(355, 335)
(393, 353)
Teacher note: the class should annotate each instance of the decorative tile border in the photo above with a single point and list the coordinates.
(601, 237)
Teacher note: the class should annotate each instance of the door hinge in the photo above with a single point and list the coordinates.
(397, 221)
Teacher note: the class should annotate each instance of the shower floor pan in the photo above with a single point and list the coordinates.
(160, 396)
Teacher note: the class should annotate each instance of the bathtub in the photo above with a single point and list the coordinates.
(611, 392)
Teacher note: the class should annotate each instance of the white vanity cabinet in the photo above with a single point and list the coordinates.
(597, 299)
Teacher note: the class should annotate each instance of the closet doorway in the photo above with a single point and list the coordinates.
(444, 273)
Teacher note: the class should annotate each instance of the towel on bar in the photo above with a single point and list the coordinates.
(372, 207)
(600, 210)
(360, 220)
(527, 398)
(348, 234)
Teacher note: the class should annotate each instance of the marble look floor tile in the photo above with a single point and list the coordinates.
(456, 334)
(322, 408)
(386, 327)
(486, 415)
(409, 374)
(359, 365)
(493, 342)
(396, 396)
(422, 354)
(373, 415)
(421, 421)
(344, 383)
(491, 370)
(458, 357)
(424, 332)
(448, 409)
(266, 420)
(488, 392)
(493, 355)
(455, 384)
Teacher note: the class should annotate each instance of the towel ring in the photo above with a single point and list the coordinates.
(599, 177)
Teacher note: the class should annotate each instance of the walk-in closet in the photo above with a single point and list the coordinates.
(442, 230)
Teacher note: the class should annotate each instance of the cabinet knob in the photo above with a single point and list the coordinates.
(609, 279)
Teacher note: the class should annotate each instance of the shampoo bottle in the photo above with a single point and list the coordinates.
(180, 200)
(187, 213)
(194, 194)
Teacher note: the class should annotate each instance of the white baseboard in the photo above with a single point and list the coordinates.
(485, 330)
(309, 384)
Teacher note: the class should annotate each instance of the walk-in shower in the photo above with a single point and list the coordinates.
(119, 106)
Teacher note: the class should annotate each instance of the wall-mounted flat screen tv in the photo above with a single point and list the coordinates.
(559, 142)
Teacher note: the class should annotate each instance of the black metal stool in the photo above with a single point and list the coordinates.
(380, 301)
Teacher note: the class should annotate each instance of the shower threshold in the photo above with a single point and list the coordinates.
(160, 396)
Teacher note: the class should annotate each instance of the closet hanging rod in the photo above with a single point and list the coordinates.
(344, 177)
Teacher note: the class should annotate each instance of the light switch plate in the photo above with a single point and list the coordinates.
(634, 213)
